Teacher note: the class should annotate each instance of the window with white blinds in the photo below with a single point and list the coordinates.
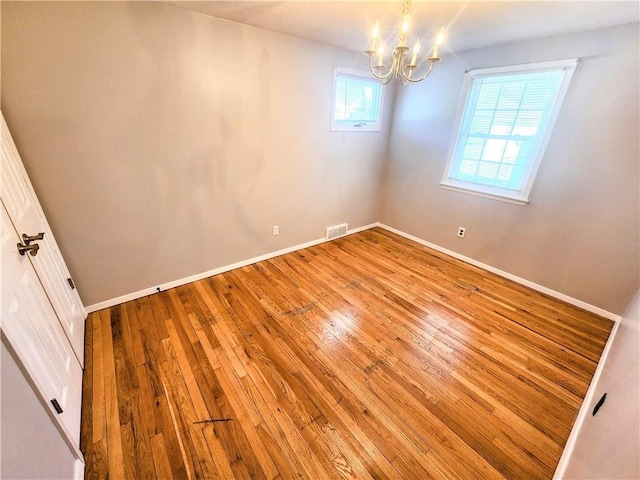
(357, 101)
(504, 126)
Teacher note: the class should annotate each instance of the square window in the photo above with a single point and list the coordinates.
(357, 101)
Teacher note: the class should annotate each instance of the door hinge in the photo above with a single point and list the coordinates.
(57, 406)
(71, 284)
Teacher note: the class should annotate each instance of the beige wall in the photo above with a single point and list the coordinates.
(608, 444)
(579, 235)
(31, 446)
(164, 143)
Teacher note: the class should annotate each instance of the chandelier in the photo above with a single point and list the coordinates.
(398, 67)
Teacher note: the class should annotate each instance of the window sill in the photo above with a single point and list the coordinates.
(480, 192)
(353, 128)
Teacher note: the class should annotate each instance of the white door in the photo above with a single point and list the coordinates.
(31, 327)
(28, 218)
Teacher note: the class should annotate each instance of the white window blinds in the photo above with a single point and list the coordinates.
(504, 127)
(357, 102)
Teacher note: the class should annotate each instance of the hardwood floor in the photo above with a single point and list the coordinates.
(366, 357)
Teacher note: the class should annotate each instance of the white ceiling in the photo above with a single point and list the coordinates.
(470, 24)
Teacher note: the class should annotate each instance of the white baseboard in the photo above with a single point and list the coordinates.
(199, 276)
(267, 256)
(78, 469)
(552, 293)
(583, 413)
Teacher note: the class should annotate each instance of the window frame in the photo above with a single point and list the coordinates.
(518, 197)
(340, 126)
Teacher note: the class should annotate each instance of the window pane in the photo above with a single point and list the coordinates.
(488, 96)
(493, 150)
(527, 123)
(341, 99)
(473, 149)
(502, 126)
(481, 122)
(487, 173)
(511, 152)
(468, 169)
(509, 176)
(503, 122)
(510, 96)
(504, 174)
(357, 100)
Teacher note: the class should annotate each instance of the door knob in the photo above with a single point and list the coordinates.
(32, 249)
(28, 239)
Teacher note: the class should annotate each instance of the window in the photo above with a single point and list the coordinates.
(504, 124)
(357, 101)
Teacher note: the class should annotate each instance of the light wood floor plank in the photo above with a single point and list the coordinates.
(368, 357)
(113, 434)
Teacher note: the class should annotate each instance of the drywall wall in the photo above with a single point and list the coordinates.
(31, 447)
(579, 235)
(164, 143)
(608, 444)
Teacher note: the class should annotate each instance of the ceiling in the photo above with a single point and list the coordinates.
(469, 24)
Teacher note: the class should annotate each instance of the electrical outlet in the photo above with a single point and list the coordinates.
(461, 231)
(276, 230)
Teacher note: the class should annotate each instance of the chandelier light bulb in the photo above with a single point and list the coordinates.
(416, 50)
(374, 36)
(439, 41)
(405, 25)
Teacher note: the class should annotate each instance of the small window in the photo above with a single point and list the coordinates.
(357, 101)
(504, 124)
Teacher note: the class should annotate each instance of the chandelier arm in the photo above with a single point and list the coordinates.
(386, 80)
(400, 75)
(383, 78)
(419, 79)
